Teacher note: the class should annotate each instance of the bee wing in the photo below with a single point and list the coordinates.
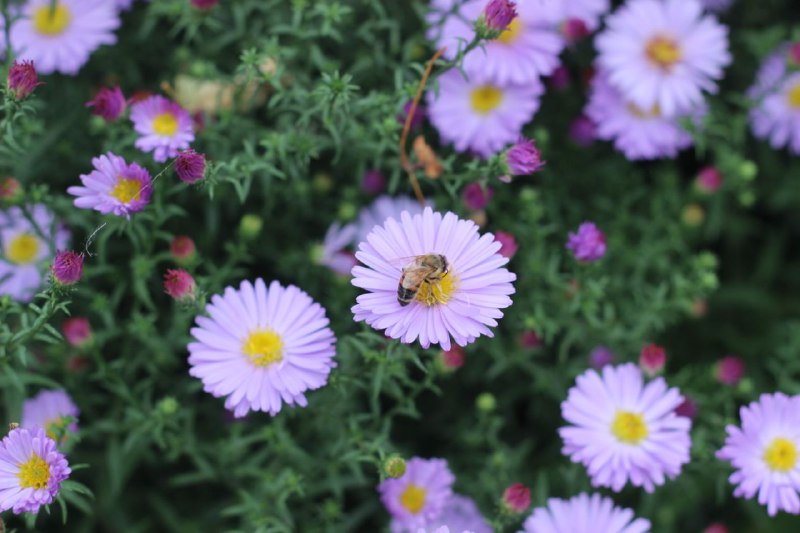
(402, 262)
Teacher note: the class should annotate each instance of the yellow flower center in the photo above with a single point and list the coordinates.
(413, 498)
(629, 428)
(781, 455)
(485, 99)
(51, 22)
(126, 190)
(264, 347)
(437, 292)
(793, 96)
(663, 52)
(165, 124)
(511, 33)
(34, 473)
(23, 249)
(640, 113)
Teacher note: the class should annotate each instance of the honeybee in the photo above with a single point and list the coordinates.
(428, 268)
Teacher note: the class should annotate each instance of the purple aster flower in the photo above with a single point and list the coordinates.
(382, 208)
(584, 514)
(22, 79)
(190, 166)
(776, 95)
(465, 302)
(26, 249)
(765, 452)
(109, 103)
(334, 254)
(67, 267)
(461, 514)
(62, 39)
(589, 244)
(526, 50)
(262, 347)
(31, 470)
(164, 126)
(481, 116)
(638, 133)
(524, 158)
(623, 430)
(663, 53)
(52, 410)
(113, 187)
(717, 6)
(418, 497)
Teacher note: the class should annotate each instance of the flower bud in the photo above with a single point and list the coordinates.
(204, 5)
(517, 498)
(394, 466)
(10, 190)
(498, 14)
(794, 54)
(693, 215)
(560, 78)
(182, 250)
(574, 29)
(486, 402)
(709, 179)
(453, 358)
(601, 356)
(190, 166)
(508, 244)
(77, 331)
(588, 244)
(67, 268)
(716, 527)
(373, 182)
(180, 285)
(475, 196)
(22, 79)
(417, 119)
(687, 408)
(652, 359)
(168, 406)
(250, 226)
(583, 131)
(523, 158)
(730, 370)
(108, 103)
(530, 339)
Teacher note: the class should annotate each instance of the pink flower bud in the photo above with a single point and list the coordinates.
(517, 498)
(730, 370)
(530, 339)
(583, 131)
(601, 356)
(67, 267)
(794, 54)
(588, 244)
(687, 408)
(10, 190)
(453, 358)
(523, 158)
(22, 79)
(508, 244)
(180, 285)
(190, 166)
(77, 331)
(716, 527)
(182, 249)
(108, 103)
(652, 359)
(418, 118)
(373, 182)
(499, 14)
(475, 197)
(204, 4)
(560, 78)
(709, 179)
(574, 29)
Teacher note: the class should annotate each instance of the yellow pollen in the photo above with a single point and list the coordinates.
(51, 22)
(264, 347)
(126, 190)
(23, 249)
(629, 428)
(485, 99)
(793, 96)
(165, 124)
(511, 33)
(663, 52)
(437, 292)
(413, 498)
(640, 113)
(34, 473)
(781, 455)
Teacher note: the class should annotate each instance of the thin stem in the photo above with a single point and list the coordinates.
(404, 161)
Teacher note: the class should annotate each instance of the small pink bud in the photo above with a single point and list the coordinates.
(588, 243)
(475, 197)
(687, 408)
(794, 54)
(530, 339)
(716, 527)
(517, 498)
(523, 158)
(22, 79)
(204, 4)
(182, 249)
(77, 363)
(67, 267)
(418, 118)
(453, 358)
(508, 244)
(190, 166)
(574, 29)
(730, 370)
(180, 285)
(77, 331)
(108, 103)
(652, 359)
(709, 179)
(499, 14)
(10, 190)
(583, 131)
(560, 78)
(373, 182)
(600, 356)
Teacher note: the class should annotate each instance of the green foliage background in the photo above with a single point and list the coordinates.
(161, 455)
